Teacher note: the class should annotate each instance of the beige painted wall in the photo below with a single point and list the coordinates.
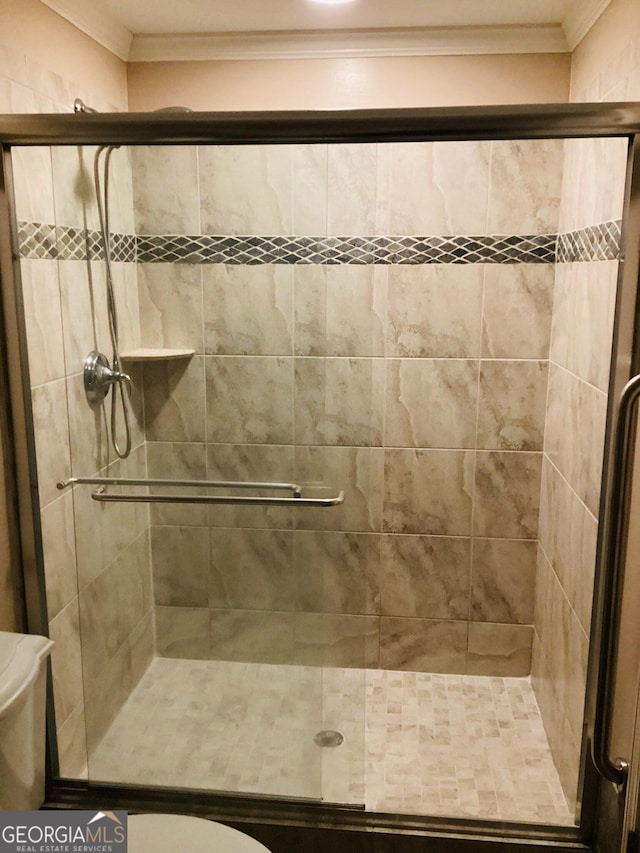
(359, 83)
(612, 41)
(30, 29)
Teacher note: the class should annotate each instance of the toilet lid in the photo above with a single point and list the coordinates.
(171, 833)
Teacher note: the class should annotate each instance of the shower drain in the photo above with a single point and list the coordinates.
(328, 737)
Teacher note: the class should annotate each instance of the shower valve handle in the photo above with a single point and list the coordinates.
(99, 377)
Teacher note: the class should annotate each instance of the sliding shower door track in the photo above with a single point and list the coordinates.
(288, 826)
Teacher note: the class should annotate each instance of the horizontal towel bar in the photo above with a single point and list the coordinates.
(101, 493)
(203, 484)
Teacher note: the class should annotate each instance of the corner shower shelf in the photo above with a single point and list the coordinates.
(155, 354)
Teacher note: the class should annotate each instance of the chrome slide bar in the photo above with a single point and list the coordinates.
(101, 493)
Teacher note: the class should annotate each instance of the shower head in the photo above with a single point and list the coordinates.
(79, 106)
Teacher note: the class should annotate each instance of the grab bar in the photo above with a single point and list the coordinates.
(101, 493)
(615, 770)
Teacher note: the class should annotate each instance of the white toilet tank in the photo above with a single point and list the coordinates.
(22, 720)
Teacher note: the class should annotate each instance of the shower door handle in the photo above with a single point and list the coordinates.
(615, 770)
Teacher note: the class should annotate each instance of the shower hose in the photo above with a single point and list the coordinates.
(118, 398)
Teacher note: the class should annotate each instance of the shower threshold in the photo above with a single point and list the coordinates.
(414, 743)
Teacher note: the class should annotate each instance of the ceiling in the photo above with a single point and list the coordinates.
(150, 30)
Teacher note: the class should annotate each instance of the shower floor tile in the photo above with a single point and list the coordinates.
(418, 743)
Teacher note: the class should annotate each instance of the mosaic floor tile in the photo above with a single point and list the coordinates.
(417, 743)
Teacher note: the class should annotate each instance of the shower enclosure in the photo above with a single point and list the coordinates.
(346, 570)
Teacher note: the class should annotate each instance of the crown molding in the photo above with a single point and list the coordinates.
(583, 15)
(437, 41)
(95, 22)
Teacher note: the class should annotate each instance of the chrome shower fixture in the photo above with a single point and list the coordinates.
(99, 377)
(79, 106)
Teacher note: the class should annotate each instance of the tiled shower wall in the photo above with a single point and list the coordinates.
(418, 388)
(580, 356)
(581, 342)
(97, 567)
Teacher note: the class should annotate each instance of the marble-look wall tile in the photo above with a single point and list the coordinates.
(66, 660)
(329, 639)
(542, 601)
(33, 184)
(85, 318)
(121, 207)
(106, 693)
(113, 604)
(325, 471)
(174, 400)
(423, 645)
(517, 310)
(251, 569)
(167, 460)
(142, 647)
(568, 534)
(583, 320)
(340, 310)
(248, 310)
(352, 165)
(425, 576)
(431, 403)
(506, 502)
(249, 399)
(72, 745)
(246, 189)
(503, 650)
(73, 186)
(51, 429)
(565, 746)
(170, 205)
(587, 461)
(428, 491)
(183, 632)
(89, 434)
(100, 529)
(526, 182)
(511, 407)
(310, 189)
(563, 305)
(593, 181)
(435, 311)
(43, 319)
(250, 463)
(335, 572)
(566, 652)
(124, 278)
(171, 307)
(59, 548)
(503, 578)
(103, 530)
(336, 401)
(180, 564)
(574, 433)
(248, 635)
(438, 187)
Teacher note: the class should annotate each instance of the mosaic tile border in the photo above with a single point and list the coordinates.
(595, 243)
(599, 242)
(67, 243)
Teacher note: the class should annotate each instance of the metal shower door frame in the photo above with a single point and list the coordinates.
(467, 123)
